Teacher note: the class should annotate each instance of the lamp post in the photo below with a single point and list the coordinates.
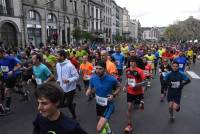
(46, 18)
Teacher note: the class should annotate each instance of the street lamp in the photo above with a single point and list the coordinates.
(45, 10)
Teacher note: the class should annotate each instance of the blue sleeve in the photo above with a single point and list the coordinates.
(91, 83)
(184, 76)
(167, 77)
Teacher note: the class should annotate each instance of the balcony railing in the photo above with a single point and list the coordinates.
(6, 12)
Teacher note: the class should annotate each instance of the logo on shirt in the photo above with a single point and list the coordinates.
(51, 132)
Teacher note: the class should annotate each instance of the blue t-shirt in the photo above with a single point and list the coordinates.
(41, 73)
(7, 64)
(104, 86)
(182, 62)
(175, 79)
(119, 59)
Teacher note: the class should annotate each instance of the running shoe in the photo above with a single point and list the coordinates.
(2, 110)
(128, 128)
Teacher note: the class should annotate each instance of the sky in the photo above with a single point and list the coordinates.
(161, 12)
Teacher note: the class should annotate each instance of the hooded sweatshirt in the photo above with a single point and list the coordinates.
(67, 71)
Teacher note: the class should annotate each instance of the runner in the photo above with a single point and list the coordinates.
(86, 69)
(119, 60)
(135, 91)
(49, 119)
(175, 81)
(103, 84)
(67, 77)
(182, 61)
(163, 70)
(41, 73)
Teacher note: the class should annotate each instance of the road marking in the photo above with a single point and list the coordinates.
(193, 75)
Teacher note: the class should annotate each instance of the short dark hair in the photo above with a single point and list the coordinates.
(39, 57)
(62, 53)
(51, 91)
(175, 62)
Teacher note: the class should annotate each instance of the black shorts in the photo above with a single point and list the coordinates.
(120, 72)
(105, 111)
(174, 98)
(135, 98)
(86, 83)
(10, 82)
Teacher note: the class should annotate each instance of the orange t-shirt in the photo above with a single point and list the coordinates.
(111, 68)
(86, 69)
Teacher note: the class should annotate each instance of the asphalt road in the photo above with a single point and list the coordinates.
(153, 120)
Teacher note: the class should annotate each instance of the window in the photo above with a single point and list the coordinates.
(97, 13)
(3, 8)
(64, 5)
(75, 6)
(97, 26)
(84, 10)
(32, 15)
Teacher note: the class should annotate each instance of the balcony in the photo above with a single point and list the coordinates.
(6, 12)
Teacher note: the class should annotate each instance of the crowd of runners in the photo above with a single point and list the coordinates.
(55, 73)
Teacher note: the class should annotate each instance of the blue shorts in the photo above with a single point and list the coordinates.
(105, 111)
(174, 98)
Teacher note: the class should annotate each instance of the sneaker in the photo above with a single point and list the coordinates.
(178, 109)
(172, 118)
(2, 110)
(110, 133)
(7, 110)
(128, 128)
(142, 105)
(162, 98)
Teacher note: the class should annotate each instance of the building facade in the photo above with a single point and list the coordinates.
(150, 33)
(119, 22)
(96, 20)
(133, 28)
(107, 20)
(114, 20)
(125, 23)
(10, 23)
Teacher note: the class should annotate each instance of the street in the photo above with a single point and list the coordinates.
(153, 120)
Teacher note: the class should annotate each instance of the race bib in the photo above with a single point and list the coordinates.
(87, 77)
(101, 101)
(38, 81)
(131, 82)
(180, 65)
(175, 84)
(146, 72)
(4, 69)
(150, 62)
(118, 62)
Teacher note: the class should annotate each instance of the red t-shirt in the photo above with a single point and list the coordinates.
(147, 70)
(129, 74)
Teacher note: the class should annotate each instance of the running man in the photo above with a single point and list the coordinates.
(175, 81)
(103, 84)
(135, 91)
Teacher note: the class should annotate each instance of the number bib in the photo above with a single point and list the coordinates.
(101, 101)
(150, 62)
(87, 77)
(38, 81)
(4, 69)
(146, 72)
(175, 84)
(180, 65)
(131, 82)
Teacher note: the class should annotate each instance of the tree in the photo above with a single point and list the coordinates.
(118, 38)
(87, 36)
(77, 33)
